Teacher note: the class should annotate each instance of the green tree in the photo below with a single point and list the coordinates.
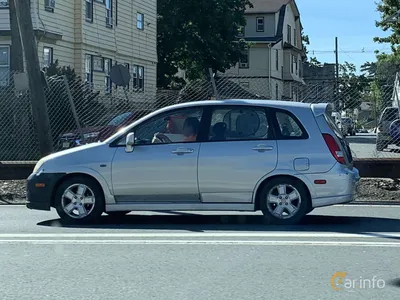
(352, 87)
(387, 8)
(196, 35)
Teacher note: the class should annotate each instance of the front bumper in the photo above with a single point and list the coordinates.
(40, 188)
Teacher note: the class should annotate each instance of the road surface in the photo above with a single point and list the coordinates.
(363, 145)
(202, 256)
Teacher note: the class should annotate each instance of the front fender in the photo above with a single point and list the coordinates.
(109, 198)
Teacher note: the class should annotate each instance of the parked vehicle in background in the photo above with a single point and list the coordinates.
(204, 156)
(348, 126)
(337, 117)
(383, 137)
(106, 127)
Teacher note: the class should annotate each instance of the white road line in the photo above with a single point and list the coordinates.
(202, 235)
(203, 242)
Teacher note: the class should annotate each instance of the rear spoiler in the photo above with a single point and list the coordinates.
(321, 108)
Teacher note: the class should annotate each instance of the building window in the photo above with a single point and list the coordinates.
(89, 10)
(49, 5)
(98, 64)
(109, 20)
(3, 3)
(289, 34)
(277, 91)
(88, 68)
(296, 64)
(294, 37)
(260, 24)
(141, 78)
(277, 60)
(244, 61)
(4, 66)
(47, 56)
(292, 64)
(140, 21)
(107, 79)
(126, 65)
(138, 77)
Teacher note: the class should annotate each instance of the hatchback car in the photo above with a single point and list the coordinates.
(282, 158)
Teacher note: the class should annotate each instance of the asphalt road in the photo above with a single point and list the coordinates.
(201, 256)
(363, 145)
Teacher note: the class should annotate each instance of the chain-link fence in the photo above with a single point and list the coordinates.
(82, 113)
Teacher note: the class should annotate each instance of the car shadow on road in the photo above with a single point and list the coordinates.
(200, 223)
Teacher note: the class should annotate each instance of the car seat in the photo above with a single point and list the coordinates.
(219, 130)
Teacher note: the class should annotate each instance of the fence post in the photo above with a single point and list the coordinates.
(73, 109)
(213, 83)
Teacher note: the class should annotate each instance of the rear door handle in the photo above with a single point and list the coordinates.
(263, 148)
(181, 151)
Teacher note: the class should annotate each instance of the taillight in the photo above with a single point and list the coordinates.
(334, 148)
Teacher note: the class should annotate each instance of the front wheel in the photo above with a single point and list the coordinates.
(79, 200)
(284, 201)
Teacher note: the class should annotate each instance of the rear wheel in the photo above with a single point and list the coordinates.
(79, 200)
(284, 201)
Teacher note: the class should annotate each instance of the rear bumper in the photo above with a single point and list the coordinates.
(39, 190)
(341, 187)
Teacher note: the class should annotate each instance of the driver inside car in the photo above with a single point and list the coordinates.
(190, 131)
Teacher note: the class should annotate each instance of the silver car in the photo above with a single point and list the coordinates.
(283, 158)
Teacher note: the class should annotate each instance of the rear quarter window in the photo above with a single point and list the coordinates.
(288, 126)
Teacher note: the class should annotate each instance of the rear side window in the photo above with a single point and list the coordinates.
(289, 127)
(238, 123)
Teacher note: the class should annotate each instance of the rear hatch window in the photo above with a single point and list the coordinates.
(345, 144)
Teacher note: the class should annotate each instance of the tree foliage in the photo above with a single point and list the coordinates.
(387, 8)
(196, 35)
(352, 87)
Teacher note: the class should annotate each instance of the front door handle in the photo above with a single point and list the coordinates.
(181, 151)
(263, 148)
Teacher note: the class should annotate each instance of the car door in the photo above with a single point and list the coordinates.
(158, 169)
(239, 151)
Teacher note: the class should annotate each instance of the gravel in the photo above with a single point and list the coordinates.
(370, 191)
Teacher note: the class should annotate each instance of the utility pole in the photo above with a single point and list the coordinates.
(17, 60)
(337, 75)
(38, 98)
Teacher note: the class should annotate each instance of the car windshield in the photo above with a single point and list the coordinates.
(390, 114)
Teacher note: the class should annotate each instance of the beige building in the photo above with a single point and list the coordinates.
(273, 67)
(91, 36)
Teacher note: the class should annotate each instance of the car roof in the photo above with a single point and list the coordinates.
(271, 103)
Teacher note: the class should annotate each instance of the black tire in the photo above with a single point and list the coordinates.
(302, 210)
(117, 214)
(98, 208)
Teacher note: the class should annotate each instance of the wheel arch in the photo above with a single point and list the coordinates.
(264, 181)
(71, 175)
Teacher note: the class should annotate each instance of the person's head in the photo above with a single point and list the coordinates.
(191, 126)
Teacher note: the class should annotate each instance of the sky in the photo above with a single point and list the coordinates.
(352, 21)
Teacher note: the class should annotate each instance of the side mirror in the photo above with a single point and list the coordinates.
(130, 142)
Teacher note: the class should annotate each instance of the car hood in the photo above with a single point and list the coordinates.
(85, 130)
